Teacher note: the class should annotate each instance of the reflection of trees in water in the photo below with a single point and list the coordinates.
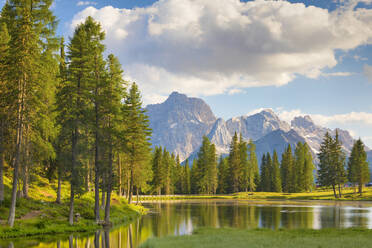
(174, 218)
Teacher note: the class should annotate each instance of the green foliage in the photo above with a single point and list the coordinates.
(357, 169)
(331, 170)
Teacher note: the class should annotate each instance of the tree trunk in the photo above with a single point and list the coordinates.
(71, 212)
(73, 174)
(87, 177)
(339, 190)
(360, 186)
(334, 190)
(130, 185)
(119, 174)
(96, 195)
(58, 200)
(103, 202)
(109, 189)
(137, 195)
(1, 163)
(25, 178)
(17, 158)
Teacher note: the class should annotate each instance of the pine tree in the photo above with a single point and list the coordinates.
(331, 170)
(276, 178)
(244, 164)
(136, 135)
(207, 168)
(338, 157)
(31, 26)
(187, 178)
(195, 177)
(111, 96)
(308, 169)
(157, 163)
(266, 173)
(358, 170)
(299, 168)
(253, 171)
(234, 165)
(223, 175)
(287, 170)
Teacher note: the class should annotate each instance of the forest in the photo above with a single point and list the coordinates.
(67, 114)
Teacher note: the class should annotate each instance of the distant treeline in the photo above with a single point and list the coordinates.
(239, 171)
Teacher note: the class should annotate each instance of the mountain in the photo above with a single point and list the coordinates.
(277, 140)
(179, 123)
(314, 134)
(257, 125)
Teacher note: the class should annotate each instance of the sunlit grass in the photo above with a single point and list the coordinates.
(40, 215)
(259, 238)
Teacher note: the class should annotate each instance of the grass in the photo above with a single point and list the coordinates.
(40, 215)
(259, 238)
(319, 194)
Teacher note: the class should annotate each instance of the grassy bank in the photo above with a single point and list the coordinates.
(319, 194)
(258, 238)
(40, 215)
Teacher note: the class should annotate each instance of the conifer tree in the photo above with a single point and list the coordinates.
(234, 164)
(187, 178)
(136, 135)
(357, 169)
(207, 168)
(287, 170)
(253, 171)
(276, 178)
(157, 164)
(244, 164)
(31, 26)
(223, 175)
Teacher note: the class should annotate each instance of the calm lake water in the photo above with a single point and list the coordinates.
(181, 217)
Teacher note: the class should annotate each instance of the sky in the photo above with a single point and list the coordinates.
(309, 57)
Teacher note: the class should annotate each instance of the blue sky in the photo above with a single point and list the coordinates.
(296, 57)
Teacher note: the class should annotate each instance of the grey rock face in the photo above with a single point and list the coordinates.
(179, 123)
(257, 125)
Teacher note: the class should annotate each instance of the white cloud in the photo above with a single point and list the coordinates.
(326, 120)
(84, 3)
(368, 72)
(337, 74)
(207, 47)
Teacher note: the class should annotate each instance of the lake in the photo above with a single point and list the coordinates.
(181, 217)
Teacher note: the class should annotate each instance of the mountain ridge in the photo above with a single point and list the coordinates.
(180, 122)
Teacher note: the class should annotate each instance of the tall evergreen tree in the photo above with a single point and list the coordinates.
(234, 164)
(276, 178)
(31, 26)
(287, 170)
(253, 171)
(136, 135)
(357, 169)
(207, 168)
(223, 175)
(331, 170)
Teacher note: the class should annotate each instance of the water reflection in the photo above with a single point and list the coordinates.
(180, 217)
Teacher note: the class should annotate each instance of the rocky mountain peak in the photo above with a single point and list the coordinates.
(303, 122)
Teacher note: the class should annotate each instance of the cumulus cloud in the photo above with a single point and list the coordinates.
(368, 72)
(337, 74)
(84, 3)
(207, 47)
